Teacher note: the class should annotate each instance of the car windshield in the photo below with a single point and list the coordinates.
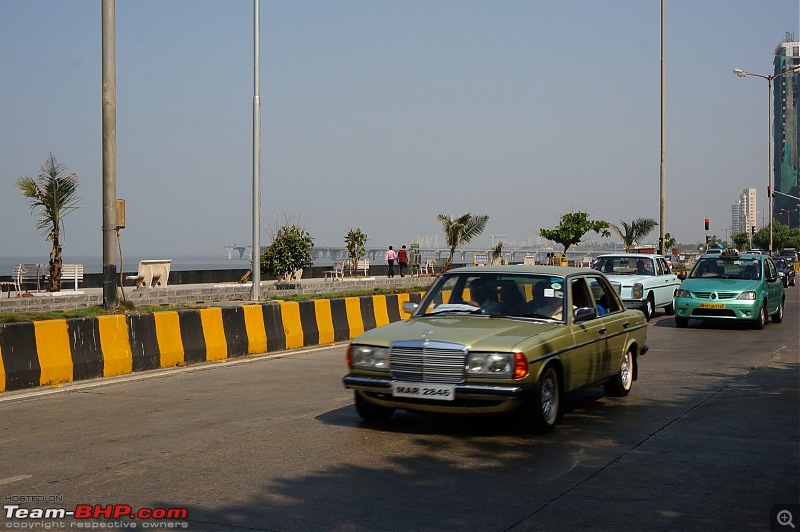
(727, 269)
(510, 295)
(623, 265)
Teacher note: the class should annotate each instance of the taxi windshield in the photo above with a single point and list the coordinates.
(512, 295)
(749, 269)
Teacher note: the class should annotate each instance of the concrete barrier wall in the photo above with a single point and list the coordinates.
(52, 352)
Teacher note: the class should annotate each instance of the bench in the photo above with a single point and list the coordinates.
(72, 272)
(429, 267)
(152, 273)
(362, 264)
(337, 273)
(25, 274)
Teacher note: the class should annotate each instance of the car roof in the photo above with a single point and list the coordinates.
(635, 255)
(562, 271)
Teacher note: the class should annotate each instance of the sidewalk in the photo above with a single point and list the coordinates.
(198, 294)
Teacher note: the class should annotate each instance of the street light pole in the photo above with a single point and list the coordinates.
(743, 73)
(788, 213)
(255, 266)
(662, 244)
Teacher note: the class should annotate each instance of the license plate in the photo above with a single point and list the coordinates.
(712, 305)
(424, 390)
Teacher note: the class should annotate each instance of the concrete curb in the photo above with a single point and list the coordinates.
(52, 352)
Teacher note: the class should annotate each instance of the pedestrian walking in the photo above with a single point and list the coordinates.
(389, 259)
(402, 260)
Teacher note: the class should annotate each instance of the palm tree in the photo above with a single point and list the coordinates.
(460, 231)
(631, 234)
(53, 196)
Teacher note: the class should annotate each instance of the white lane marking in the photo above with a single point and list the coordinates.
(9, 480)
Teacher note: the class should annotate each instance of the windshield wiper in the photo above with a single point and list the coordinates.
(527, 316)
(454, 310)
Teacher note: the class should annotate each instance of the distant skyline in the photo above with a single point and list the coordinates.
(382, 115)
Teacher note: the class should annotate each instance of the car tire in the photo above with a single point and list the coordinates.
(681, 323)
(778, 316)
(621, 384)
(761, 320)
(669, 310)
(541, 411)
(371, 412)
(649, 308)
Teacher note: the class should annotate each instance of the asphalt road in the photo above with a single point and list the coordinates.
(708, 440)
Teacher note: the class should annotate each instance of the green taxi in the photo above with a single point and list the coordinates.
(731, 286)
(497, 339)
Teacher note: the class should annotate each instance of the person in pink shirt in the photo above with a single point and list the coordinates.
(389, 259)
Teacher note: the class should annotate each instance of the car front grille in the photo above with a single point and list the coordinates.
(428, 361)
(720, 295)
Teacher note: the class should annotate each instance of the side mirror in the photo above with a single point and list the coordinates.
(584, 314)
(682, 276)
(410, 307)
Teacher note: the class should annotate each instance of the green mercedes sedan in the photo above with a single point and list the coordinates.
(731, 286)
(499, 339)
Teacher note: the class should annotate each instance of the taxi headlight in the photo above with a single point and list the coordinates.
(682, 293)
(497, 365)
(369, 357)
(748, 296)
(638, 290)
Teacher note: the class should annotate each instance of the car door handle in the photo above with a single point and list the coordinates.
(626, 324)
(601, 330)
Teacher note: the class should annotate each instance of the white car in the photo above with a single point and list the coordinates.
(643, 281)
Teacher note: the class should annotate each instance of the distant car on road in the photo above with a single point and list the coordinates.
(790, 254)
(644, 282)
(497, 339)
(786, 271)
(731, 286)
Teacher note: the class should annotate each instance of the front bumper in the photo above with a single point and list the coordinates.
(468, 398)
(733, 310)
(635, 304)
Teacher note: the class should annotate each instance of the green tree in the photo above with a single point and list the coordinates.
(460, 231)
(669, 242)
(355, 242)
(630, 234)
(53, 195)
(497, 254)
(741, 240)
(289, 251)
(782, 237)
(571, 228)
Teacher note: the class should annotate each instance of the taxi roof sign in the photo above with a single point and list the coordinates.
(730, 253)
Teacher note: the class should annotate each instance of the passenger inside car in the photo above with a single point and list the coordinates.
(485, 298)
(511, 298)
(546, 302)
(644, 268)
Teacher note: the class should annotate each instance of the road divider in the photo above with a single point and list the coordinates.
(53, 352)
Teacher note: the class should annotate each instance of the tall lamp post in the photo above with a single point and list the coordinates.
(743, 73)
(788, 213)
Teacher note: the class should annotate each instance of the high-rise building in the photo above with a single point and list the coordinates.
(786, 155)
(744, 212)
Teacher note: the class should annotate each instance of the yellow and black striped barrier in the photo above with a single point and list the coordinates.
(52, 352)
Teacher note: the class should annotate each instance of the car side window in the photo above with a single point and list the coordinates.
(770, 270)
(580, 295)
(605, 302)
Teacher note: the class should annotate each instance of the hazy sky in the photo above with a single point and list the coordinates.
(380, 115)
